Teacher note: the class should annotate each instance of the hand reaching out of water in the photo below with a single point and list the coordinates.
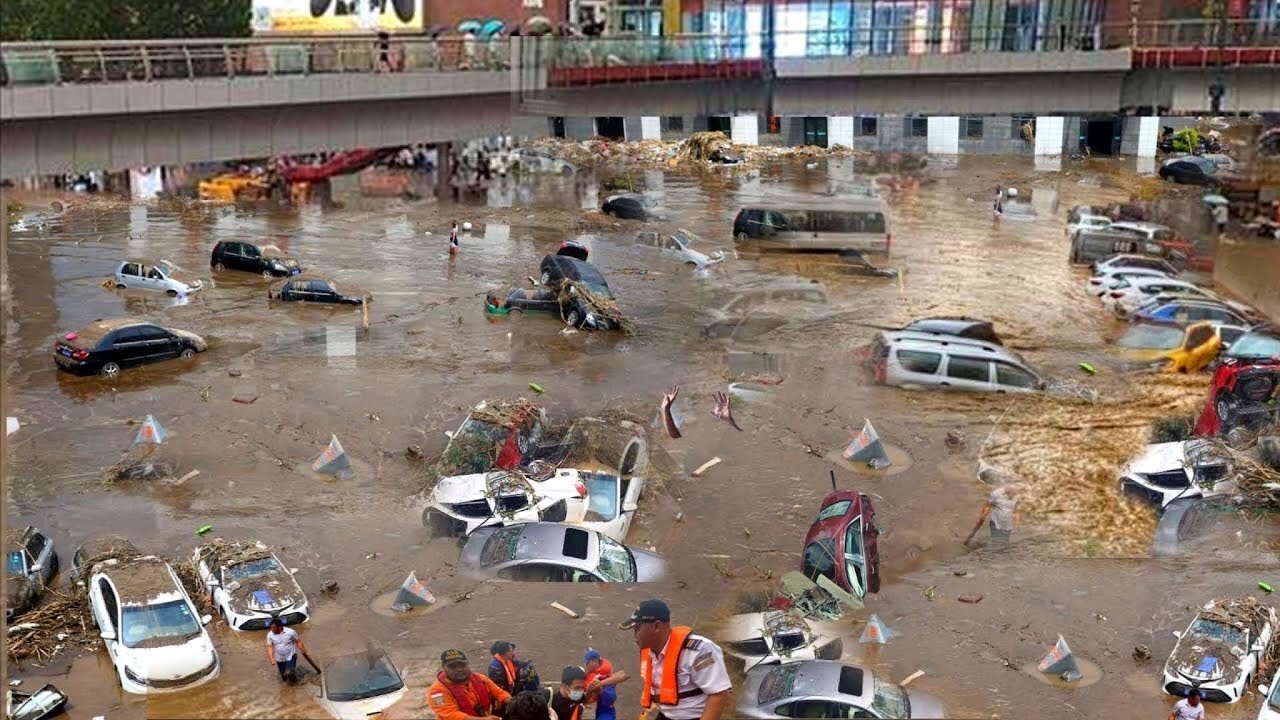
(722, 410)
(667, 420)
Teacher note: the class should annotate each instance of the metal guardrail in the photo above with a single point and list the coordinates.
(109, 61)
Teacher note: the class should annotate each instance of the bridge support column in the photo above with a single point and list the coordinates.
(1049, 135)
(840, 131)
(744, 129)
(1148, 130)
(650, 127)
(943, 135)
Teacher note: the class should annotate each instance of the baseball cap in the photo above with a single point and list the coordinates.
(571, 673)
(648, 611)
(592, 654)
(452, 656)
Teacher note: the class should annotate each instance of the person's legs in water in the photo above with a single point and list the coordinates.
(288, 669)
(998, 535)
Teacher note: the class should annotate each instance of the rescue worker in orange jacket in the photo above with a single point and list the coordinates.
(459, 694)
(683, 672)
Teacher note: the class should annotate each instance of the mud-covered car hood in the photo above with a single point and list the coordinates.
(195, 339)
(1203, 659)
(266, 592)
(20, 593)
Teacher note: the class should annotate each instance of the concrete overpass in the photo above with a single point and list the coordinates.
(112, 105)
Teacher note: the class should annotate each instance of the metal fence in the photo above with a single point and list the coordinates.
(140, 61)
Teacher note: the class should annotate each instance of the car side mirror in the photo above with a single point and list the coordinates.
(107, 635)
(37, 568)
(206, 619)
(630, 507)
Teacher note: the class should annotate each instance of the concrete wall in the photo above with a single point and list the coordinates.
(1249, 270)
(999, 137)
(964, 65)
(1250, 89)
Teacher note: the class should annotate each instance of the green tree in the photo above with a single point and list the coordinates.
(122, 19)
(1186, 140)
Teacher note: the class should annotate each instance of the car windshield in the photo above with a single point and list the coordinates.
(1256, 345)
(356, 677)
(501, 546)
(835, 509)
(598, 289)
(157, 625)
(890, 701)
(1206, 628)
(252, 568)
(15, 567)
(602, 496)
(1151, 337)
(616, 564)
(778, 683)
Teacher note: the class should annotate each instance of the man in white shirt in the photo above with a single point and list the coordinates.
(684, 673)
(1188, 708)
(283, 645)
(1001, 513)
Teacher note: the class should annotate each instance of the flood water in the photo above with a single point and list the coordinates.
(1078, 569)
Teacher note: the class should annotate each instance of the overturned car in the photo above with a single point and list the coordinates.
(775, 637)
(249, 585)
(593, 478)
(1165, 472)
(1244, 395)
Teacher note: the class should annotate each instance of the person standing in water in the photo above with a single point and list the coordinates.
(453, 239)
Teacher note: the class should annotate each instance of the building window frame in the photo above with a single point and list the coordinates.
(971, 127)
(868, 126)
(915, 126)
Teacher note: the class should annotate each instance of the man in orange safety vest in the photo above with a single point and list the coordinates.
(684, 672)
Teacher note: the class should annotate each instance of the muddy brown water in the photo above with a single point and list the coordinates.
(431, 351)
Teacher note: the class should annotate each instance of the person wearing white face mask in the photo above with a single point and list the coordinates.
(567, 700)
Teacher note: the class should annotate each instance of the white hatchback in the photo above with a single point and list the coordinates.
(1101, 283)
(1131, 294)
(157, 278)
(152, 631)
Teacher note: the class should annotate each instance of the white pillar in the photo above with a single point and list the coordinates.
(943, 135)
(1148, 129)
(744, 129)
(840, 131)
(650, 128)
(1049, 134)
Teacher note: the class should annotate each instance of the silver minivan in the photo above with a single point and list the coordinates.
(858, 224)
(915, 359)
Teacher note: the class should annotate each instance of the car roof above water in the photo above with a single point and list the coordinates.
(935, 341)
(142, 581)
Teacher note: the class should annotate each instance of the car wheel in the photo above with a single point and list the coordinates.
(219, 267)
(267, 274)
(691, 264)
(171, 293)
(742, 237)
(515, 311)
(120, 286)
(566, 171)
(187, 353)
(110, 370)
(574, 318)
(546, 277)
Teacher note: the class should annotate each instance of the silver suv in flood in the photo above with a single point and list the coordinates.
(914, 359)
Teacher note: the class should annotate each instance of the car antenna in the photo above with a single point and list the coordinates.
(833, 479)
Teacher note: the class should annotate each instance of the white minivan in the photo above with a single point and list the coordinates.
(914, 360)
(860, 224)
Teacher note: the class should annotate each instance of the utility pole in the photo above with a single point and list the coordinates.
(1218, 87)
(769, 48)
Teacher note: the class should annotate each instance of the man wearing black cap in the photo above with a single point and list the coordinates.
(459, 694)
(684, 672)
(567, 699)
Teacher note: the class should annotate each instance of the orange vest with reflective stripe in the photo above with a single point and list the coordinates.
(667, 694)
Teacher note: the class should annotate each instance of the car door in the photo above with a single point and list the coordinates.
(127, 347)
(855, 558)
(162, 343)
(1010, 378)
(322, 291)
(130, 275)
(253, 258)
(966, 373)
(106, 611)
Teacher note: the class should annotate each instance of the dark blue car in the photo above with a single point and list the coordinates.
(1184, 312)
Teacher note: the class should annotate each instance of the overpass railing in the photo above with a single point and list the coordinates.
(105, 61)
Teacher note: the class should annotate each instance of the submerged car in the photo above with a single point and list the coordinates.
(554, 552)
(313, 288)
(1189, 171)
(776, 637)
(30, 564)
(1169, 471)
(922, 360)
(1220, 651)
(1182, 520)
(161, 277)
(1184, 347)
(1242, 394)
(633, 206)
(153, 633)
(563, 275)
(107, 346)
(1185, 309)
(757, 311)
(828, 689)
(538, 161)
(268, 260)
(679, 247)
(358, 686)
(250, 586)
(842, 544)
(956, 326)
(1271, 700)
(496, 435)
(46, 702)
(1116, 262)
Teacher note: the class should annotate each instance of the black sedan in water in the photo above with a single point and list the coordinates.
(633, 206)
(1189, 171)
(107, 346)
(268, 260)
(309, 288)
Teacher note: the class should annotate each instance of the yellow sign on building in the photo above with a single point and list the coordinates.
(671, 17)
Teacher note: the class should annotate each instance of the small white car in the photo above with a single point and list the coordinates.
(679, 247)
(826, 689)
(1134, 261)
(1087, 222)
(1271, 704)
(541, 162)
(1164, 472)
(1128, 295)
(778, 637)
(250, 586)
(1106, 279)
(160, 277)
(357, 686)
(153, 633)
(1152, 232)
(1219, 651)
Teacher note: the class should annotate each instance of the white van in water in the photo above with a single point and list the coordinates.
(915, 359)
(859, 224)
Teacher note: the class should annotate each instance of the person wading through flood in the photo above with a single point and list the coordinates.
(1001, 510)
(1188, 708)
(453, 239)
(459, 694)
(567, 700)
(684, 672)
(601, 680)
(283, 645)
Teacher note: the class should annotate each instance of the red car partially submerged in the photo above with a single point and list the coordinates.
(841, 544)
(1243, 394)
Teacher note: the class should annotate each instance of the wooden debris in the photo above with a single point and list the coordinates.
(706, 466)
(565, 610)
